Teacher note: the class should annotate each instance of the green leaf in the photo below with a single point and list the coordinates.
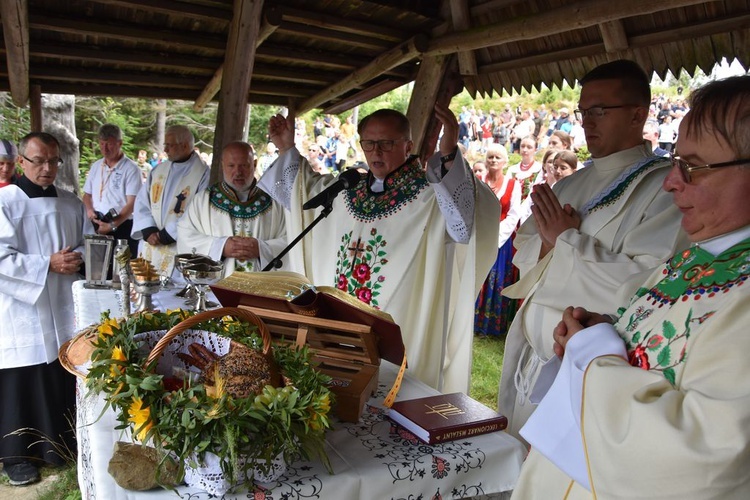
(669, 375)
(636, 338)
(668, 329)
(664, 356)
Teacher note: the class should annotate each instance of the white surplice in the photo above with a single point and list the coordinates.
(161, 202)
(213, 217)
(36, 306)
(398, 251)
(629, 226)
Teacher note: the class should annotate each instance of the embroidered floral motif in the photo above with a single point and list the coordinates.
(693, 273)
(401, 187)
(615, 191)
(223, 198)
(440, 467)
(358, 265)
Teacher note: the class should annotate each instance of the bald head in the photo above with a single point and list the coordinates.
(238, 165)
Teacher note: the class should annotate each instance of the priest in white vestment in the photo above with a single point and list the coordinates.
(591, 233)
(234, 220)
(657, 405)
(165, 196)
(405, 240)
(41, 246)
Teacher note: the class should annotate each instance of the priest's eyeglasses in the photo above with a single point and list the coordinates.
(385, 145)
(687, 168)
(38, 162)
(598, 111)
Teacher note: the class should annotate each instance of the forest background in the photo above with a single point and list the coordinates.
(138, 117)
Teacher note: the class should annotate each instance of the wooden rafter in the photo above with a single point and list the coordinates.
(16, 35)
(467, 62)
(271, 21)
(613, 35)
(549, 22)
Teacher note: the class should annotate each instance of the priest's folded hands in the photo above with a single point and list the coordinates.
(65, 261)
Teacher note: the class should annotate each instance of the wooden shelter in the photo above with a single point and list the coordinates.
(335, 54)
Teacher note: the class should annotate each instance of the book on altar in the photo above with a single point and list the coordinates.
(446, 417)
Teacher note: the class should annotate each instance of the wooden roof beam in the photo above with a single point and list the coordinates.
(354, 40)
(341, 24)
(16, 34)
(613, 35)
(646, 40)
(271, 21)
(368, 93)
(386, 61)
(175, 9)
(549, 22)
(467, 63)
(130, 33)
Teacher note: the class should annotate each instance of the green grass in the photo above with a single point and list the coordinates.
(486, 368)
(65, 487)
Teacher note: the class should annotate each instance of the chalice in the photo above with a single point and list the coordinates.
(200, 273)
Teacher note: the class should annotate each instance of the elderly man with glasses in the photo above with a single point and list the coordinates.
(588, 235)
(41, 244)
(416, 243)
(165, 196)
(661, 392)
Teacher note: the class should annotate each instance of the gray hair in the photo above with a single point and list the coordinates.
(182, 135)
(47, 139)
(110, 131)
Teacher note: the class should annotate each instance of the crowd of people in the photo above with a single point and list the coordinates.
(650, 232)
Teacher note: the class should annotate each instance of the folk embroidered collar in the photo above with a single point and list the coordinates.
(223, 197)
(400, 187)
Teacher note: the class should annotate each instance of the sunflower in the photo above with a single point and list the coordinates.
(140, 417)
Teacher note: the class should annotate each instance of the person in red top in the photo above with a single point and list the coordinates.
(493, 312)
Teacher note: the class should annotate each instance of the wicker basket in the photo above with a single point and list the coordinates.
(161, 352)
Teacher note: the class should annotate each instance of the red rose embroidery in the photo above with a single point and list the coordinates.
(364, 294)
(639, 358)
(341, 285)
(361, 272)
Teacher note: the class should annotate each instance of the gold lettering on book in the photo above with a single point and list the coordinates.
(444, 410)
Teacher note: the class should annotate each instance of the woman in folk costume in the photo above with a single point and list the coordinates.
(494, 312)
(528, 171)
(657, 405)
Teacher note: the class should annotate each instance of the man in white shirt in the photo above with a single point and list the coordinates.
(111, 187)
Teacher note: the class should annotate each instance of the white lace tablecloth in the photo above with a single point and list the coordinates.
(372, 459)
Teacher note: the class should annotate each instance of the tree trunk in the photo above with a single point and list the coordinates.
(58, 119)
(161, 124)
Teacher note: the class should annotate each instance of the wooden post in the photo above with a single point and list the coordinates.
(238, 66)
(35, 105)
(15, 15)
(438, 80)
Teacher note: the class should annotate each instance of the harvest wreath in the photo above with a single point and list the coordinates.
(146, 377)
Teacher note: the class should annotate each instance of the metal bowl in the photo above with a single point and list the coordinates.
(182, 259)
(203, 273)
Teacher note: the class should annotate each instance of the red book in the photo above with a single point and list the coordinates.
(446, 417)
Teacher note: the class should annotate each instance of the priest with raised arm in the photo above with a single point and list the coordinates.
(234, 220)
(405, 239)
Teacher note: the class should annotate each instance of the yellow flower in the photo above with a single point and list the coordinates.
(140, 417)
(117, 370)
(106, 327)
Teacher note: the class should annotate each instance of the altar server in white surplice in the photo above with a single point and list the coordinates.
(589, 234)
(41, 245)
(657, 404)
(234, 220)
(405, 239)
(165, 196)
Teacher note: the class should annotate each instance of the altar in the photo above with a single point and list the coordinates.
(371, 459)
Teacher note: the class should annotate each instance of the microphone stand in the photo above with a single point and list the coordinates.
(276, 261)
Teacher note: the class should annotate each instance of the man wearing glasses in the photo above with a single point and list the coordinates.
(416, 243)
(165, 196)
(41, 244)
(590, 234)
(661, 391)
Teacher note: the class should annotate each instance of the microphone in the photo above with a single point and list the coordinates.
(346, 180)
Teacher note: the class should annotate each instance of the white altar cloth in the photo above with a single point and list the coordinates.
(371, 459)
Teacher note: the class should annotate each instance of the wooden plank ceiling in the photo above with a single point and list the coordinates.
(334, 54)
